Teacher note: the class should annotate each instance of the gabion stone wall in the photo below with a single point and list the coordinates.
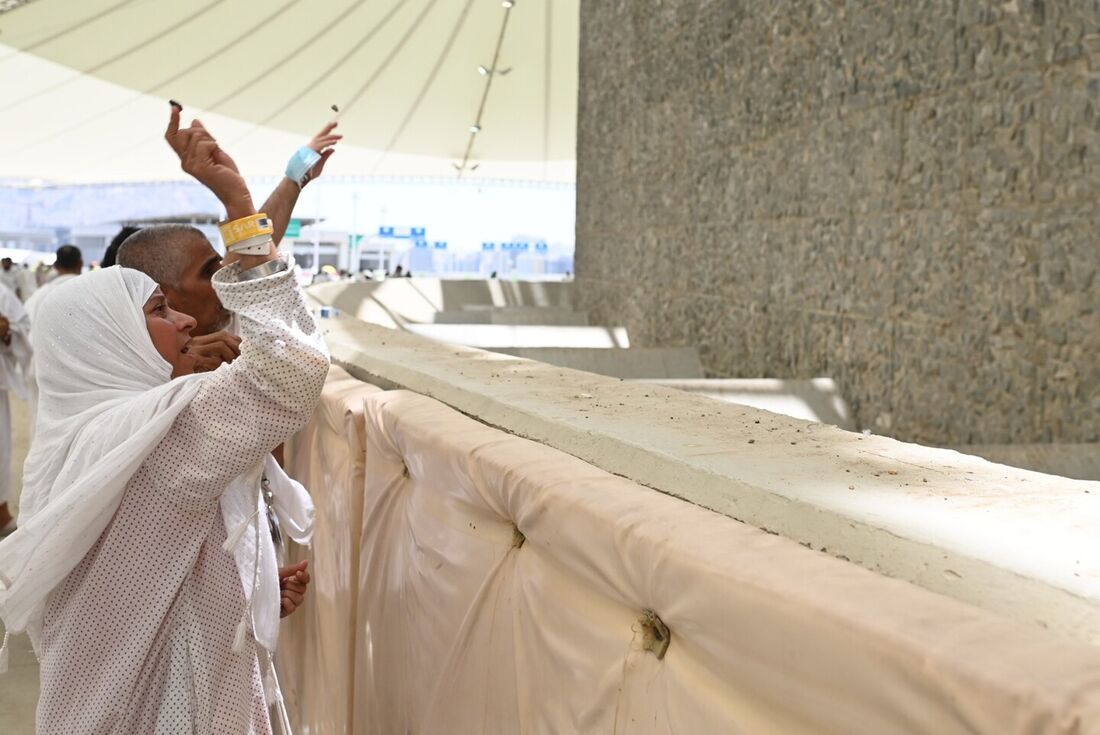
(904, 196)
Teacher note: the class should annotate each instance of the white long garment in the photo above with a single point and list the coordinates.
(138, 636)
(10, 278)
(34, 301)
(28, 283)
(32, 304)
(5, 449)
(14, 371)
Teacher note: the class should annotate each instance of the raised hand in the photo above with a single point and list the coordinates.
(322, 143)
(201, 157)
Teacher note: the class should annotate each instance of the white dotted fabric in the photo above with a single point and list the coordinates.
(138, 638)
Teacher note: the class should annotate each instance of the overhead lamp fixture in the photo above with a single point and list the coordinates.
(508, 3)
(475, 128)
(482, 70)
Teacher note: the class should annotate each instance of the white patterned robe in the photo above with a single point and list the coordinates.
(138, 638)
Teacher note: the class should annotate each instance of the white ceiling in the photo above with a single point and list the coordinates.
(84, 84)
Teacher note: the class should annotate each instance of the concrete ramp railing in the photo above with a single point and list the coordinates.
(472, 581)
(398, 301)
(816, 399)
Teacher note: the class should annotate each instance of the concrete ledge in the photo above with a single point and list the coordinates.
(633, 363)
(478, 314)
(1011, 541)
(491, 336)
(817, 399)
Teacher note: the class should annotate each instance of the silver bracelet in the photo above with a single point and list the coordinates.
(263, 270)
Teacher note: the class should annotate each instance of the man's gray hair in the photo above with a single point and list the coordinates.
(157, 251)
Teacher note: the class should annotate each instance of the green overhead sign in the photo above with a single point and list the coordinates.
(294, 228)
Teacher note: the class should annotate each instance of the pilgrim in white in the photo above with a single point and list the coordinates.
(15, 356)
(143, 567)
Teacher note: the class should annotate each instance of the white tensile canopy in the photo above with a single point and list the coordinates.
(84, 85)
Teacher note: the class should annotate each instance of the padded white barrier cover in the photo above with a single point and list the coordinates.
(317, 643)
(504, 587)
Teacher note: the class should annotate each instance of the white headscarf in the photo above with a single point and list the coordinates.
(106, 400)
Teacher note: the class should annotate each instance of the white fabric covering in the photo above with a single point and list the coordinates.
(464, 626)
(318, 642)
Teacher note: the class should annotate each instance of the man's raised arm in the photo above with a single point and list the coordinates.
(280, 205)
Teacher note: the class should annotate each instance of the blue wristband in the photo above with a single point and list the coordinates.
(300, 163)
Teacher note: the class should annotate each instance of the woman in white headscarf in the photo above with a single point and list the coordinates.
(142, 486)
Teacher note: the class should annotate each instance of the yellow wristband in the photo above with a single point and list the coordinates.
(245, 228)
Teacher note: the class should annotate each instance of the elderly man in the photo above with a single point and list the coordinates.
(182, 261)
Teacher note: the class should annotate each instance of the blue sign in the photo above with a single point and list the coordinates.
(420, 244)
(403, 233)
(541, 247)
(488, 246)
(440, 245)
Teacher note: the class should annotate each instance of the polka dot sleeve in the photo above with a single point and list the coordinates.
(255, 403)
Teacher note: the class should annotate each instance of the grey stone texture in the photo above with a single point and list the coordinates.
(903, 196)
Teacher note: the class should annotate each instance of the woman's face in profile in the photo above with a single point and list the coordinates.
(170, 332)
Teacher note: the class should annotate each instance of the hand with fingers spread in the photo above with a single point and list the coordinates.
(322, 143)
(201, 157)
(293, 581)
(211, 351)
(280, 205)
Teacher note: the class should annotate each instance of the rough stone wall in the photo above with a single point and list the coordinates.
(904, 196)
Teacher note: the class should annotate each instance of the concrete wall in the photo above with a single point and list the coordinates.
(901, 196)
